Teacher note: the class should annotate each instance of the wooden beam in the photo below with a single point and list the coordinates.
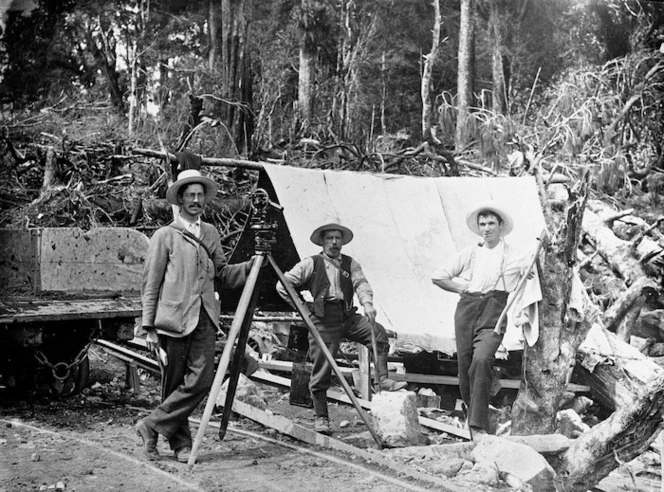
(285, 366)
(266, 377)
(207, 161)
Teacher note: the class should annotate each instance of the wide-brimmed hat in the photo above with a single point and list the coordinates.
(471, 218)
(331, 224)
(189, 176)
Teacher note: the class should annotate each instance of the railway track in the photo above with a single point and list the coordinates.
(131, 357)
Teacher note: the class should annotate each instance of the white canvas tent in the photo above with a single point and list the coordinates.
(404, 228)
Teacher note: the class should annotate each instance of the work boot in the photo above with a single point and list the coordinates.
(149, 436)
(477, 433)
(183, 454)
(386, 384)
(322, 426)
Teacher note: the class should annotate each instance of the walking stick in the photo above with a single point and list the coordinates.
(306, 317)
(374, 345)
(524, 278)
(238, 321)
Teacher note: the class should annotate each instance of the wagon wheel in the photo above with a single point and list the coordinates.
(75, 382)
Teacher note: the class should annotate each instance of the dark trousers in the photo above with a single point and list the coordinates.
(474, 320)
(185, 381)
(334, 326)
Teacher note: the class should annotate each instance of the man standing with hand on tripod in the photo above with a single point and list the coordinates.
(181, 311)
(333, 279)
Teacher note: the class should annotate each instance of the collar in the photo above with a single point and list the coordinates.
(337, 260)
(186, 223)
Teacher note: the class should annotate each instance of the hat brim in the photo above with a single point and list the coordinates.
(317, 235)
(209, 186)
(471, 218)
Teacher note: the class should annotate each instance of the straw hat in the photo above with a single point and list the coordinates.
(191, 176)
(332, 224)
(471, 218)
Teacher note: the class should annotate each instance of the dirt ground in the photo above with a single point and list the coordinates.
(87, 443)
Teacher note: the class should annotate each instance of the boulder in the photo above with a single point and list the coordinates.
(395, 419)
(570, 424)
(516, 459)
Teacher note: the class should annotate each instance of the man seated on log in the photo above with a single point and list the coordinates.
(483, 274)
(331, 279)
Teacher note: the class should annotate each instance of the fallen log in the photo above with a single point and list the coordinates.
(614, 250)
(625, 257)
(623, 379)
(622, 314)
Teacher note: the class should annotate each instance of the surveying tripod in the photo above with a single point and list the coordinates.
(264, 238)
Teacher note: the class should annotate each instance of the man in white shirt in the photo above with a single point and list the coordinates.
(483, 275)
(331, 280)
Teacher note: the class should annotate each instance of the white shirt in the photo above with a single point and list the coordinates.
(193, 227)
(485, 269)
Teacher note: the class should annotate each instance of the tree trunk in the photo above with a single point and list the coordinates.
(429, 60)
(214, 14)
(548, 364)
(622, 314)
(623, 379)
(304, 96)
(499, 99)
(309, 26)
(465, 71)
(236, 83)
(103, 52)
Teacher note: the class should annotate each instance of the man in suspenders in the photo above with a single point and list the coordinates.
(331, 280)
(483, 274)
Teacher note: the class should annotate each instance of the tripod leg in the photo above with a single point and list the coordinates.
(240, 314)
(236, 364)
(304, 312)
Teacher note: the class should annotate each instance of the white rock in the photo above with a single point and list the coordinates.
(517, 459)
(570, 424)
(395, 419)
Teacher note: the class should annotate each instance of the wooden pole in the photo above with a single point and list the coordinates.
(240, 313)
(208, 161)
(374, 345)
(306, 317)
(522, 282)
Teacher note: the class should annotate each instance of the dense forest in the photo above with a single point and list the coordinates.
(571, 91)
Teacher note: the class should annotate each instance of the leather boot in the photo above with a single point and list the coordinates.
(387, 384)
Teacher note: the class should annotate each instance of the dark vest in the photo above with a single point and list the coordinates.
(319, 284)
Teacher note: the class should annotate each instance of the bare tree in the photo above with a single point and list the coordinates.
(214, 18)
(427, 71)
(465, 70)
(236, 82)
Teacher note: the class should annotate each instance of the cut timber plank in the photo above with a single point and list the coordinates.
(285, 426)
(285, 366)
(57, 310)
(267, 377)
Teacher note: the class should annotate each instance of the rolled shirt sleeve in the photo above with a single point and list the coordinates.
(361, 285)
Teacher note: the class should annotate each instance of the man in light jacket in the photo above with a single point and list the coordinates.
(181, 311)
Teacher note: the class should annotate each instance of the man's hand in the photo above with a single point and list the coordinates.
(370, 312)
(151, 339)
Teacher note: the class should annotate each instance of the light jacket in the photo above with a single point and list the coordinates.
(179, 276)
